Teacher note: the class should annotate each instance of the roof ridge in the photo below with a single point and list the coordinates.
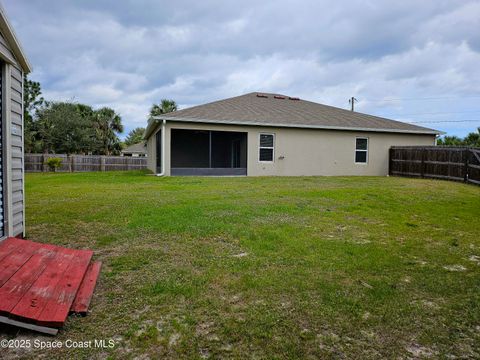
(250, 109)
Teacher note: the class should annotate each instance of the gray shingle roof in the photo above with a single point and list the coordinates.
(140, 148)
(279, 110)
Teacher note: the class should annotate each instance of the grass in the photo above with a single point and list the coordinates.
(301, 267)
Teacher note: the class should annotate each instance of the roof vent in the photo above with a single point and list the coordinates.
(262, 96)
(293, 98)
(279, 97)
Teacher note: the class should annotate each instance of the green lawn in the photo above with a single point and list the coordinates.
(306, 267)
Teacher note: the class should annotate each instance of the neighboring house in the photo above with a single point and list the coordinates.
(14, 65)
(135, 150)
(268, 134)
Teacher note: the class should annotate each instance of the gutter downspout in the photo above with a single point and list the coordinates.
(163, 148)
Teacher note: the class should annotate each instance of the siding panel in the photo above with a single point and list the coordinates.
(5, 48)
(16, 91)
(17, 185)
(16, 84)
(17, 163)
(16, 108)
(16, 140)
(18, 207)
(17, 197)
(17, 118)
(16, 149)
(18, 228)
(17, 74)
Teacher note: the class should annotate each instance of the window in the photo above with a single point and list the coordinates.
(361, 150)
(266, 148)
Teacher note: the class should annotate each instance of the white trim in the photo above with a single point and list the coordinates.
(300, 126)
(266, 147)
(162, 129)
(361, 150)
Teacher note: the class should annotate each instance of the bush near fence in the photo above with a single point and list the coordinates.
(438, 162)
(84, 163)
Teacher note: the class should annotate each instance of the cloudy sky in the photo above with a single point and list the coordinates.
(408, 60)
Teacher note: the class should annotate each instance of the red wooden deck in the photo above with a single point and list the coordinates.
(40, 282)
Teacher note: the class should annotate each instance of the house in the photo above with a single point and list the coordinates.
(14, 65)
(135, 150)
(261, 134)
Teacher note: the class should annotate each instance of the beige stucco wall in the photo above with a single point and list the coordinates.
(306, 151)
(151, 152)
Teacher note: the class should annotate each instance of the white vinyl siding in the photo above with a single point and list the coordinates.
(12, 142)
(5, 49)
(266, 148)
(16, 150)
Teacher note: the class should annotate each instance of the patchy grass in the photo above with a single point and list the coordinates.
(268, 267)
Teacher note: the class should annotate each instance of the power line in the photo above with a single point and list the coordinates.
(426, 98)
(441, 113)
(441, 121)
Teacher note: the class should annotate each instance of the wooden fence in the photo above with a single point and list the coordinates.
(84, 163)
(439, 162)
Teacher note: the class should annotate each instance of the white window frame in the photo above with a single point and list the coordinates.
(365, 151)
(266, 147)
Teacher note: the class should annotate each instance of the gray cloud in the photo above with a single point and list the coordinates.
(129, 54)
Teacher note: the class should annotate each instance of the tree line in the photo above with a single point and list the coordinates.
(472, 139)
(73, 128)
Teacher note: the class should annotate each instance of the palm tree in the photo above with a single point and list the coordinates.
(450, 141)
(135, 136)
(107, 125)
(473, 139)
(164, 107)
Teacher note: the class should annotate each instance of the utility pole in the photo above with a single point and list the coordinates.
(352, 102)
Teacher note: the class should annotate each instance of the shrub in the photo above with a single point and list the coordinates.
(53, 163)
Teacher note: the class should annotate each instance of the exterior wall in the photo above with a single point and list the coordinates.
(5, 50)
(16, 150)
(306, 152)
(151, 152)
(13, 144)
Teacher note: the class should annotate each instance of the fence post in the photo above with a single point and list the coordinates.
(102, 163)
(390, 162)
(422, 169)
(72, 163)
(465, 170)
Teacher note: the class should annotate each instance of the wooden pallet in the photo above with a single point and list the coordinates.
(39, 283)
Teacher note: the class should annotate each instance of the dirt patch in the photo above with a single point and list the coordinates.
(475, 259)
(204, 329)
(204, 353)
(418, 351)
(242, 254)
(427, 304)
(455, 268)
(174, 338)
